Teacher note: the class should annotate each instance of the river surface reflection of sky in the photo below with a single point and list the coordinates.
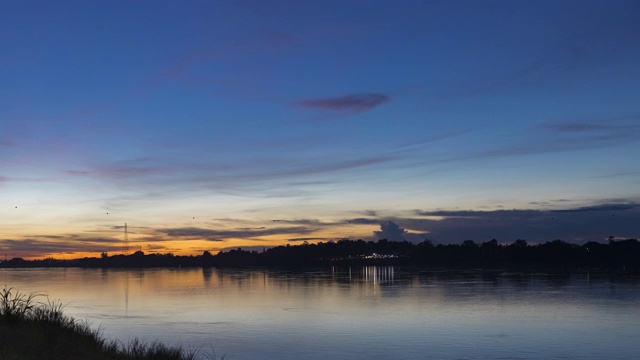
(355, 313)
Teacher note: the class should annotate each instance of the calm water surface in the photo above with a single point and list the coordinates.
(355, 313)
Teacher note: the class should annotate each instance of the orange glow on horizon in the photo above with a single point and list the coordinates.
(189, 247)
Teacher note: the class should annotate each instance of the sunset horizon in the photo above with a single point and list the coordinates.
(214, 126)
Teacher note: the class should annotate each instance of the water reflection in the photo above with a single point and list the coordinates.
(379, 274)
(126, 292)
(356, 312)
(206, 275)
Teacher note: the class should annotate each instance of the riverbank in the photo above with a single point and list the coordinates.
(616, 254)
(32, 327)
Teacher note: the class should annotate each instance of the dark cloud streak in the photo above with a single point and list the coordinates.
(37, 247)
(306, 239)
(601, 208)
(354, 102)
(222, 235)
(580, 224)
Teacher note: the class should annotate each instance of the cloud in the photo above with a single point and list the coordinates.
(621, 174)
(364, 221)
(352, 103)
(38, 247)
(579, 224)
(318, 223)
(338, 165)
(258, 176)
(193, 68)
(612, 124)
(558, 137)
(602, 208)
(153, 247)
(221, 235)
(391, 231)
(605, 131)
(313, 222)
(306, 239)
(587, 127)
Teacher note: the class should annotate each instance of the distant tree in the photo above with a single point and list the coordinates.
(490, 244)
(520, 244)
(469, 244)
(426, 243)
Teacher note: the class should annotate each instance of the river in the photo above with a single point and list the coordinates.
(354, 313)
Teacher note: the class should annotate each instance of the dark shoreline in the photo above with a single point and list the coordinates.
(622, 255)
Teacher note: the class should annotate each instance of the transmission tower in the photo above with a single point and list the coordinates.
(125, 241)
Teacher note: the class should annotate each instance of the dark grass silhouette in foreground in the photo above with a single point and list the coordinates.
(616, 254)
(31, 329)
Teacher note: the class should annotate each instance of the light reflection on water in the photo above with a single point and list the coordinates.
(355, 313)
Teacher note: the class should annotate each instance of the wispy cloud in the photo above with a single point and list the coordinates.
(318, 223)
(592, 133)
(587, 127)
(621, 174)
(188, 68)
(39, 246)
(560, 136)
(222, 235)
(349, 103)
(268, 177)
(602, 125)
(338, 165)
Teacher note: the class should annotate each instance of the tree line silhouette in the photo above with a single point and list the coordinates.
(622, 254)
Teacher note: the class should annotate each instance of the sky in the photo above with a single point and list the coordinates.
(214, 125)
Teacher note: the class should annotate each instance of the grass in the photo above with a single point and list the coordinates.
(34, 329)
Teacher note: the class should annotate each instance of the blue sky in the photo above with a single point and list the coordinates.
(200, 123)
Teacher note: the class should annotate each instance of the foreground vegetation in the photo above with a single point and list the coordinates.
(34, 329)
